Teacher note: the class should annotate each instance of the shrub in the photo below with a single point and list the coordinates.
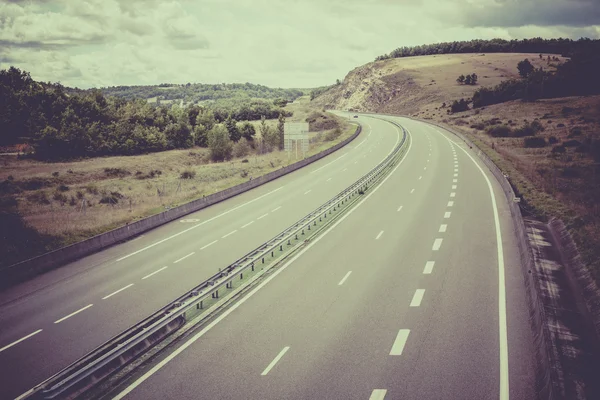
(63, 188)
(570, 172)
(333, 134)
(241, 148)
(561, 125)
(458, 106)
(188, 174)
(35, 183)
(479, 126)
(245, 160)
(244, 173)
(55, 174)
(575, 131)
(92, 189)
(60, 197)
(80, 194)
(39, 197)
(559, 149)
(116, 172)
(499, 131)
(528, 129)
(534, 142)
(552, 140)
(72, 201)
(112, 198)
(572, 143)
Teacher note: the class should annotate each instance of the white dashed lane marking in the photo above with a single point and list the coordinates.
(20, 340)
(153, 273)
(73, 313)
(428, 267)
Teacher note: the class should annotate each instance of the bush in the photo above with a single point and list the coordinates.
(241, 148)
(333, 134)
(499, 131)
(92, 189)
(575, 131)
(459, 106)
(534, 142)
(63, 188)
(560, 125)
(552, 140)
(55, 174)
(528, 129)
(479, 126)
(112, 198)
(570, 172)
(560, 149)
(60, 197)
(572, 143)
(188, 174)
(219, 143)
(116, 172)
(39, 197)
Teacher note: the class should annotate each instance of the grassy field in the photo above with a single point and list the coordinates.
(70, 201)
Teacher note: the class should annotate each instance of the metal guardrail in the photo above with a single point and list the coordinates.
(133, 342)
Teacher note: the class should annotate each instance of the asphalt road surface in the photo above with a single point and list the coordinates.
(50, 321)
(409, 296)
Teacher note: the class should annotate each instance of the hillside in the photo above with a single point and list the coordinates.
(418, 85)
(550, 148)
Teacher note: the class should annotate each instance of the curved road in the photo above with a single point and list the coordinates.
(50, 321)
(408, 296)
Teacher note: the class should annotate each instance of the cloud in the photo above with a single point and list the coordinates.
(285, 43)
(514, 13)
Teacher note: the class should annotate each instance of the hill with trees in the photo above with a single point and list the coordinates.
(564, 47)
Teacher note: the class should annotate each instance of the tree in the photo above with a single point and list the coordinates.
(231, 125)
(219, 143)
(248, 131)
(280, 130)
(473, 78)
(461, 79)
(541, 56)
(458, 106)
(280, 102)
(179, 135)
(525, 68)
(200, 135)
(468, 79)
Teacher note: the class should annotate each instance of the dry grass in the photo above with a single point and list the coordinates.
(71, 201)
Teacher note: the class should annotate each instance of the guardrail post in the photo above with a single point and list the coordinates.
(319, 219)
(272, 254)
(252, 266)
(241, 276)
(200, 305)
(315, 223)
(296, 236)
(215, 294)
(303, 231)
(263, 260)
(289, 243)
(280, 247)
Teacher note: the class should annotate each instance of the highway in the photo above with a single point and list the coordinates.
(52, 320)
(408, 296)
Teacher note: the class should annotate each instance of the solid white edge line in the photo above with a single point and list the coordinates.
(437, 243)
(197, 336)
(417, 298)
(248, 224)
(73, 313)
(184, 257)
(197, 225)
(229, 234)
(275, 360)
(155, 272)
(20, 340)
(443, 228)
(502, 326)
(379, 235)
(400, 342)
(344, 278)
(428, 267)
(210, 244)
(117, 291)
(378, 394)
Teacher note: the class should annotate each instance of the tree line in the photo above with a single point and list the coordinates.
(197, 92)
(565, 47)
(576, 77)
(59, 125)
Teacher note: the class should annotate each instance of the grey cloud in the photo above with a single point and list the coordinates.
(513, 13)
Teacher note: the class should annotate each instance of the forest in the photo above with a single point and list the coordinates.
(197, 92)
(564, 47)
(61, 123)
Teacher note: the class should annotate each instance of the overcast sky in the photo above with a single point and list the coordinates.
(278, 43)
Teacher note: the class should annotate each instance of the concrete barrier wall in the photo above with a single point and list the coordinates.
(48, 261)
